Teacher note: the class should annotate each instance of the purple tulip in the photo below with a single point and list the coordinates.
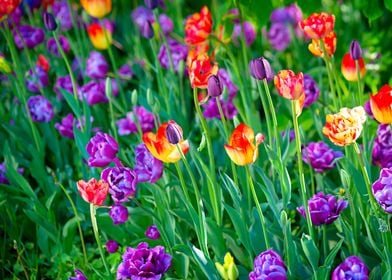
(140, 15)
(152, 232)
(260, 69)
(147, 167)
(278, 36)
(125, 72)
(215, 86)
(31, 36)
(144, 263)
(3, 177)
(312, 91)
(37, 79)
(368, 109)
(111, 246)
(128, 126)
(62, 14)
(324, 209)
(79, 275)
(382, 147)
(122, 182)
(49, 21)
(351, 268)
(355, 50)
(64, 83)
(94, 92)
(320, 156)
(268, 265)
(382, 189)
(118, 214)
(65, 128)
(178, 51)
(211, 109)
(102, 149)
(291, 14)
(249, 32)
(40, 108)
(166, 24)
(52, 46)
(13, 19)
(96, 66)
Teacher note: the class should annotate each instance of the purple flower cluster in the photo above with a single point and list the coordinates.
(324, 209)
(122, 182)
(178, 53)
(351, 268)
(268, 265)
(320, 156)
(94, 92)
(382, 189)
(312, 91)
(128, 125)
(102, 149)
(3, 177)
(62, 14)
(36, 79)
(52, 46)
(382, 147)
(40, 108)
(30, 35)
(147, 167)
(152, 232)
(144, 263)
(96, 66)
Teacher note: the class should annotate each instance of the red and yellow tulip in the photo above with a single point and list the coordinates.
(317, 26)
(242, 147)
(329, 43)
(160, 147)
(200, 69)
(289, 85)
(349, 69)
(100, 36)
(93, 191)
(198, 27)
(97, 8)
(381, 104)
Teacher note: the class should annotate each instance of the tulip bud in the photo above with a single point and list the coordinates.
(355, 50)
(50, 22)
(134, 97)
(151, 4)
(260, 69)
(147, 31)
(214, 86)
(173, 132)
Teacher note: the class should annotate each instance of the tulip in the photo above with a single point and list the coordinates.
(111, 246)
(119, 214)
(52, 47)
(320, 156)
(40, 108)
(160, 147)
(29, 35)
(122, 182)
(260, 69)
(382, 147)
(329, 43)
(152, 232)
(200, 69)
(278, 36)
(178, 53)
(173, 132)
(228, 271)
(49, 22)
(317, 26)
(93, 191)
(311, 89)
(100, 36)
(268, 265)
(8, 6)
(214, 86)
(355, 50)
(97, 8)
(198, 27)
(78, 275)
(349, 69)
(139, 114)
(242, 147)
(381, 104)
(351, 268)
(382, 189)
(42, 62)
(289, 85)
(147, 167)
(96, 66)
(102, 149)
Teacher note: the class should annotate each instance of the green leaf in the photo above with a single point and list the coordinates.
(43, 222)
(310, 250)
(205, 264)
(181, 265)
(388, 4)
(73, 104)
(324, 271)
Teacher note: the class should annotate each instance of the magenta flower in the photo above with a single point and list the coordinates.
(40, 108)
(37, 79)
(52, 46)
(351, 268)
(382, 147)
(111, 246)
(96, 66)
(128, 126)
(279, 36)
(382, 189)
(118, 214)
(324, 209)
(147, 167)
(78, 275)
(94, 92)
(102, 149)
(320, 156)
(32, 36)
(65, 128)
(122, 182)
(211, 110)
(140, 15)
(269, 266)
(152, 232)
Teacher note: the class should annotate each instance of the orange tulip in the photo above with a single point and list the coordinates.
(100, 37)
(93, 191)
(97, 8)
(329, 43)
(200, 69)
(8, 6)
(381, 104)
(289, 85)
(349, 69)
(345, 127)
(198, 27)
(160, 147)
(317, 26)
(242, 147)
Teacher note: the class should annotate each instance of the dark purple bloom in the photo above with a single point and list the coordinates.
(249, 32)
(102, 149)
(351, 268)
(122, 182)
(32, 36)
(312, 91)
(382, 189)
(260, 69)
(211, 110)
(49, 21)
(65, 128)
(382, 147)
(215, 86)
(278, 36)
(269, 266)
(41, 110)
(152, 232)
(52, 46)
(166, 24)
(355, 50)
(96, 66)
(78, 276)
(62, 14)
(140, 15)
(36, 79)
(64, 83)
(324, 209)
(111, 246)
(178, 53)
(173, 132)
(119, 214)
(144, 263)
(3, 177)
(147, 167)
(125, 72)
(128, 126)
(320, 156)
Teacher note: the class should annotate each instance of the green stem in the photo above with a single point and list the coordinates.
(256, 201)
(182, 182)
(93, 210)
(335, 76)
(266, 113)
(359, 100)
(325, 241)
(301, 171)
(331, 84)
(109, 95)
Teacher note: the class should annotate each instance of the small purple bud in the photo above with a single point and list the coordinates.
(215, 87)
(50, 22)
(111, 246)
(173, 132)
(355, 50)
(151, 4)
(146, 30)
(260, 69)
(119, 214)
(152, 232)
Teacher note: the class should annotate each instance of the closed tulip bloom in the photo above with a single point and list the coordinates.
(8, 6)
(102, 149)
(382, 147)
(160, 147)
(49, 22)
(214, 87)
(40, 109)
(119, 214)
(381, 104)
(100, 36)
(260, 69)
(317, 26)
(200, 69)
(243, 144)
(97, 8)
(351, 268)
(93, 191)
(228, 271)
(345, 127)
(382, 189)
(268, 265)
(173, 132)
(289, 85)
(329, 43)
(349, 69)
(355, 50)
(198, 27)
